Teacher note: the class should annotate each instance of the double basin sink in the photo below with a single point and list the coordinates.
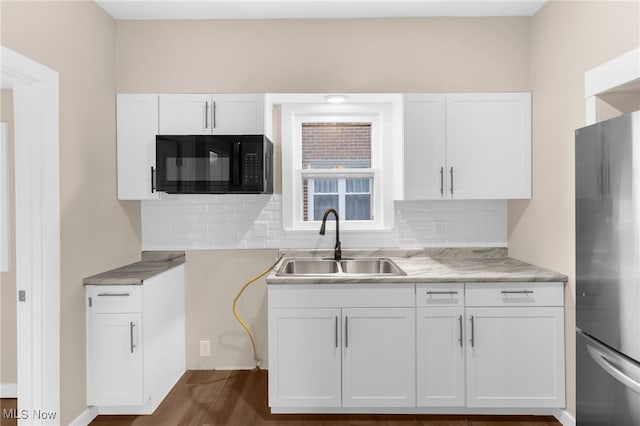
(347, 267)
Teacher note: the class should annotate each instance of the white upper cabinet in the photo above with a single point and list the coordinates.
(137, 127)
(424, 149)
(468, 146)
(206, 114)
(185, 114)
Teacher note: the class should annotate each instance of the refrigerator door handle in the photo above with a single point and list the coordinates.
(610, 362)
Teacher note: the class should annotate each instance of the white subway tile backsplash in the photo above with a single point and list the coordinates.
(200, 222)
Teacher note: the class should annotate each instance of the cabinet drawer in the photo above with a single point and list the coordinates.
(440, 294)
(341, 295)
(114, 298)
(515, 294)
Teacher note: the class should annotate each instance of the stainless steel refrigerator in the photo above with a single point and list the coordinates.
(608, 272)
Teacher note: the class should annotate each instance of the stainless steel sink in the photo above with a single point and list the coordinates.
(369, 267)
(308, 267)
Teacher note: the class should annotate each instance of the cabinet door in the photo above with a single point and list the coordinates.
(489, 145)
(304, 357)
(378, 367)
(515, 357)
(440, 357)
(424, 147)
(186, 114)
(115, 374)
(238, 114)
(137, 127)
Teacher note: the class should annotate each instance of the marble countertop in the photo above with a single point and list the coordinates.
(429, 265)
(151, 264)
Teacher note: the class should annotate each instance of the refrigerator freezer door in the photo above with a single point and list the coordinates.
(608, 385)
(608, 232)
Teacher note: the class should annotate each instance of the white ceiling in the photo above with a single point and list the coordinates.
(314, 9)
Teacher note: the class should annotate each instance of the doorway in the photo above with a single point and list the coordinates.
(37, 212)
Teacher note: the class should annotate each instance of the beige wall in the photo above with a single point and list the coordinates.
(390, 55)
(370, 55)
(8, 336)
(567, 39)
(77, 39)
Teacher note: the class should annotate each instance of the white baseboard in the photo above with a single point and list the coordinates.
(8, 390)
(564, 417)
(85, 417)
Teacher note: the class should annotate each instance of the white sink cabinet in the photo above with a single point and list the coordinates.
(341, 346)
(135, 342)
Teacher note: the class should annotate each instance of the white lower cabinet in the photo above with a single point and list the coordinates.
(379, 357)
(440, 370)
(135, 342)
(515, 347)
(349, 354)
(304, 357)
(471, 348)
(115, 344)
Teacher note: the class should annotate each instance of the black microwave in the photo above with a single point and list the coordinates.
(214, 164)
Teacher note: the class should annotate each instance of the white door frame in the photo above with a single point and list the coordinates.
(35, 97)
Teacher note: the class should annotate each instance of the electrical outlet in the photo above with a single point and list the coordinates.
(205, 347)
(260, 229)
(438, 228)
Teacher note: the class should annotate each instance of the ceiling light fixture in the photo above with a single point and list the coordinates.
(336, 99)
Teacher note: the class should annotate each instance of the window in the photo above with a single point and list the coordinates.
(338, 147)
(341, 157)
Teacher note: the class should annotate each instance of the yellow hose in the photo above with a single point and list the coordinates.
(241, 321)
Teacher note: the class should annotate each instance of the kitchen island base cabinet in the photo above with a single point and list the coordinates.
(135, 342)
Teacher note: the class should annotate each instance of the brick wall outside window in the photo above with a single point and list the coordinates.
(330, 144)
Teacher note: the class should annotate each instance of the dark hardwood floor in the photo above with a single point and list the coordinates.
(239, 398)
(7, 411)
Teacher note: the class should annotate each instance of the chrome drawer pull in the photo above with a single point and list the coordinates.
(114, 294)
(442, 292)
(473, 334)
(517, 292)
(131, 325)
(460, 321)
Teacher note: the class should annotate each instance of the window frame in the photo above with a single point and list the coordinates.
(386, 154)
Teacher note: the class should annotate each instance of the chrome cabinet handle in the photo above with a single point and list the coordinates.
(153, 185)
(473, 337)
(451, 186)
(113, 294)
(442, 292)
(206, 115)
(441, 180)
(346, 332)
(131, 325)
(336, 331)
(517, 292)
(460, 322)
(214, 114)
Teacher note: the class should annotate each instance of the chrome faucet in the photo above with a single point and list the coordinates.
(337, 251)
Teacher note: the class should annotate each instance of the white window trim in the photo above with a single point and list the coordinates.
(385, 114)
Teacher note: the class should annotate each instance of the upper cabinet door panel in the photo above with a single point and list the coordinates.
(238, 114)
(189, 114)
(137, 127)
(489, 145)
(424, 146)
